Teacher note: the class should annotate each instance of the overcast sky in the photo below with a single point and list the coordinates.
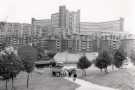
(91, 10)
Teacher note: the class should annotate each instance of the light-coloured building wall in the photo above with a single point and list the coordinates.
(41, 22)
(55, 19)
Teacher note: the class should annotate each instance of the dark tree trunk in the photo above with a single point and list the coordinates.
(50, 68)
(84, 72)
(6, 84)
(28, 80)
(12, 83)
(100, 70)
(112, 67)
(106, 70)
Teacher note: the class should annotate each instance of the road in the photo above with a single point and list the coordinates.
(85, 85)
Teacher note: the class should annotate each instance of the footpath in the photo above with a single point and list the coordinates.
(85, 85)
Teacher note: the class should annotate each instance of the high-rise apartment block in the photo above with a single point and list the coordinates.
(55, 19)
(18, 34)
(66, 19)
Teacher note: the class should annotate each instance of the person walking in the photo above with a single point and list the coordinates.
(69, 73)
(74, 75)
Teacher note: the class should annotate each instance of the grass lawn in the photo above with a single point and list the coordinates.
(120, 79)
(40, 81)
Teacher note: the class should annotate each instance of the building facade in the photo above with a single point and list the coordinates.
(107, 35)
(55, 19)
(41, 22)
(18, 34)
(70, 21)
(128, 44)
(64, 31)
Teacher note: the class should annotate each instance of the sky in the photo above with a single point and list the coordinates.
(91, 10)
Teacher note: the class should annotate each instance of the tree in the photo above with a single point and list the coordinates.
(28, 55)
(83, 64)
(52, 61)
(2, 45)
(3, 70)
(40, 51)
(103, 61)
(51, 54)
(132, 56)
(119, 58)
(10, 66)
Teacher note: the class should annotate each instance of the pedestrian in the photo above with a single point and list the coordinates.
(69, 73)
(74, 76)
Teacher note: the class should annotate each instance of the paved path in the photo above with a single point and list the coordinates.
(85, 85)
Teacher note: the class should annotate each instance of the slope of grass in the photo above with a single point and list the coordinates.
(120, 79)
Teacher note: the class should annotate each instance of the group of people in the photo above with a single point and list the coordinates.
(66, 72)
(72, 73)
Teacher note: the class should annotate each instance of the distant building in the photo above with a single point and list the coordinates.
(62, 16)
(75, 22)
(64, 31)
(70, 21)
(128, 44)
(108, 35)
(55, 19)
(109, 26)
(15, 31)
(18, 34)
(41, 22)
(92, 37)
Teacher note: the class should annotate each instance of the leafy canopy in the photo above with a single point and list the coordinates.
(119, 57)
(28, 55)
(103, 60)
(83, 63)
(10, 66)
